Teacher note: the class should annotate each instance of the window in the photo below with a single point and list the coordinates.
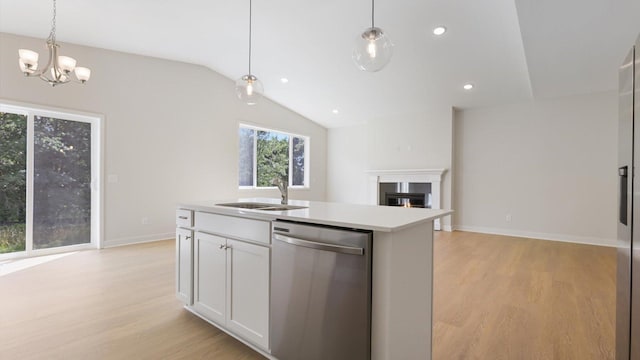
(49, 171)
(267, 154)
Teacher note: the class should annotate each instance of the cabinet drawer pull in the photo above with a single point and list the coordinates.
(224, 247)
(183, 217)
(187, 238)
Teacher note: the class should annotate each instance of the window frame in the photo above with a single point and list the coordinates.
(307, 142)
(97, 172)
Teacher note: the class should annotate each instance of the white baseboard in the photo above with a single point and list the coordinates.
(138, 239)
(536, 235)
(448, 228)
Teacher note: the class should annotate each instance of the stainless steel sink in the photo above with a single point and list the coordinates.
(247, 205)
(262, 206)
(282, 208)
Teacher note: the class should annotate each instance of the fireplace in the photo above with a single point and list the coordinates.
(406, 194)
(406, 188)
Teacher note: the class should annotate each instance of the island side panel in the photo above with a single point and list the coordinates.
(402, 293)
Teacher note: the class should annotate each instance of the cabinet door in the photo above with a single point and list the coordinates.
(210, 277)
(248, 291)
(184, 261)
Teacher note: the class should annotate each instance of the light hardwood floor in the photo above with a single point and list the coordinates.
(498, 297)
(495, 297)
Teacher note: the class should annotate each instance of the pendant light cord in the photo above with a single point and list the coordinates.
(52, 35)
(372, 12)
(250, 37)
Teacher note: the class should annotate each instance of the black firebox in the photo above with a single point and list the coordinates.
(406, 194)
(405, 199)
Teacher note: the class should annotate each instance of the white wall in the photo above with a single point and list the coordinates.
(550, 164)
(408, 141)
(171, 132)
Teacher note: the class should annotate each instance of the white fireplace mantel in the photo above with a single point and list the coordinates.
(433, 176)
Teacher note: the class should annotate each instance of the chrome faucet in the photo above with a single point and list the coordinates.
(283, 186)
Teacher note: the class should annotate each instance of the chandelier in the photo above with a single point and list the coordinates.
(58, 69)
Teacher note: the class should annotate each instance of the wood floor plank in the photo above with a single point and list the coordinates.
(529, 299)
(495, 297)
(115, 303)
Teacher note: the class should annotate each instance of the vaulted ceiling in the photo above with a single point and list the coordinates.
(511, 50)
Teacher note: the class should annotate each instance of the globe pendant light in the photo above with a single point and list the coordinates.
(373, 49)
(248, 87)
(58, 69)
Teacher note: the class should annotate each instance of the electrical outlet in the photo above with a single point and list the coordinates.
(508, 218)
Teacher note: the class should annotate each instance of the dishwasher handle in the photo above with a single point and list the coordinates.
(319, 246)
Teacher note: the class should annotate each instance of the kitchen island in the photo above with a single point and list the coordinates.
(401, 279)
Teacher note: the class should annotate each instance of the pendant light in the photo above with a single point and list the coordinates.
(373, 49)
(248, 87)
(58, 69)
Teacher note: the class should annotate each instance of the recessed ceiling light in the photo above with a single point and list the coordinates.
(439, 30)
(468, 86)
(335, 111)
(284, 80)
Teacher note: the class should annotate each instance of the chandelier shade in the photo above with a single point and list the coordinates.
(373, 50)
(58, 69)
(249, 89)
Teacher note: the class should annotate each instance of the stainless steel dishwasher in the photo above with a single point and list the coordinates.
(320, 292)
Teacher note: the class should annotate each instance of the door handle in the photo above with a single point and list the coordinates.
(623, 173)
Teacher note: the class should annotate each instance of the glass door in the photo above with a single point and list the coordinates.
(13, 181)
(49, 181)
(61, 182)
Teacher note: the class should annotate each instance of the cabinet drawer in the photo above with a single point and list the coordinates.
(184, 218)
(235, 227)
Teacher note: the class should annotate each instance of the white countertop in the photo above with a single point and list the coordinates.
(367, 217)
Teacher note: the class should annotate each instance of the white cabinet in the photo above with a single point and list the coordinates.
(248, 291)
(184, 218)
(231, 286)
(236, 227)
(209, 274)
(184, 261)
